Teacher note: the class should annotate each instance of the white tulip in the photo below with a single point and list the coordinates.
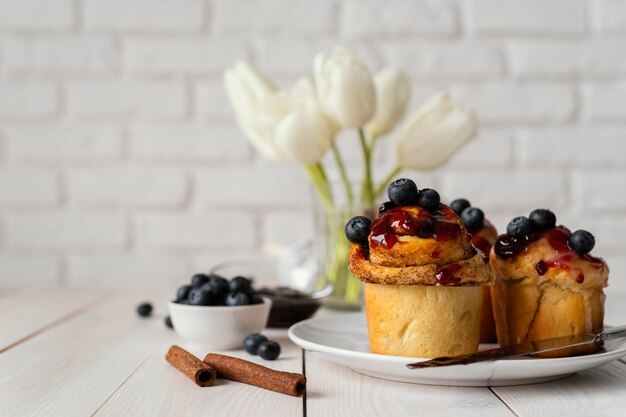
(392, 94)
(431, 135)
(345, 88)
(301, 130)
(287, 126)
(246, 87)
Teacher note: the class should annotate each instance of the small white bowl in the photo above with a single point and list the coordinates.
(218, 327)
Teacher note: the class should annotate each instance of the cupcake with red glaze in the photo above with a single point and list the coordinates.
(423, 277)
(484, 235)
(547, 282)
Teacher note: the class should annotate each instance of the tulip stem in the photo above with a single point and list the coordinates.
(387, 180)
(372, 144)
(343, 173)
(320, 182)
(367, 192)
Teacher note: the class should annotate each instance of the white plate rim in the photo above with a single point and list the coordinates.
(404, 360)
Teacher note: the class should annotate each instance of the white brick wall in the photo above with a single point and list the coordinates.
(121, 164)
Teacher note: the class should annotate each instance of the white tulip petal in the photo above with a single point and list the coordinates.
(304, 135)
(392, 95)
(345, 88)
(244, 87)
(256, 81)
(434, 133)
(282, 125)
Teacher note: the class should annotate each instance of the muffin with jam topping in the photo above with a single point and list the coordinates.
(547, 282)
(484, 235)
(423, 277)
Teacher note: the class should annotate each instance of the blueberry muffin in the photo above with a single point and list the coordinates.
(547, 282)
(423, 277)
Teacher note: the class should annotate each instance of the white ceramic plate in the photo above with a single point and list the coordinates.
(343, 340)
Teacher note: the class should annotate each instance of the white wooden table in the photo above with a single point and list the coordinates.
(86, 353)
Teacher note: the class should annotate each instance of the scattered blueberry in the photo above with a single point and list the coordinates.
(387, 205)
(168, 322)
(474, 218)
(358, 229)
(239, 284)
(237, 299)
(269, 350)
(542, 219)
(582, 242)
(403, 192)
(519, 227)
(144, 309)
(182, 293)
(199, 280)
(199, 297)
(459, 205)
(428, 199)
(252, 341)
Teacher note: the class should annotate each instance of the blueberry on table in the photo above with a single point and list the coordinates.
(168, 322)
(519, 227)
(582, 242)
(387, 205)
(182, 293)
(252, 341)
(199, 280)
(402, 192)
(542, 219)
(199, 297)
(358, 229)
(459, 205)
(269, 350)
(474, 218)
(240, 284)
(236, 299)
(144, 309)
(428, 199)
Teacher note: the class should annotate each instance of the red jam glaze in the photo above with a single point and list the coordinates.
(435, 255)
(508, 247)
(482, 244)
(440, 225)
(445, 275)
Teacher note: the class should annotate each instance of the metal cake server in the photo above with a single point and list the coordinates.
(526, 349)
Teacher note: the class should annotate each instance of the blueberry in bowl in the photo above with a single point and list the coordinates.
(209, 316)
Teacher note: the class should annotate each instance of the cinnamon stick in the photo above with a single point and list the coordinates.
(251, 373)
(199, 372)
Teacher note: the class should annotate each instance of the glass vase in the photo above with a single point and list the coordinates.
(332, 247)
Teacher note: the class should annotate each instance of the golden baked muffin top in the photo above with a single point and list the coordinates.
(415, 240)
(548, 255)
(412, 235)
(534, 247)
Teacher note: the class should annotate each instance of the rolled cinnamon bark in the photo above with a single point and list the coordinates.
(251, 373)
(199, 372)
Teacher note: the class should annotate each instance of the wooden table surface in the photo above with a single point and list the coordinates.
(71, 352)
